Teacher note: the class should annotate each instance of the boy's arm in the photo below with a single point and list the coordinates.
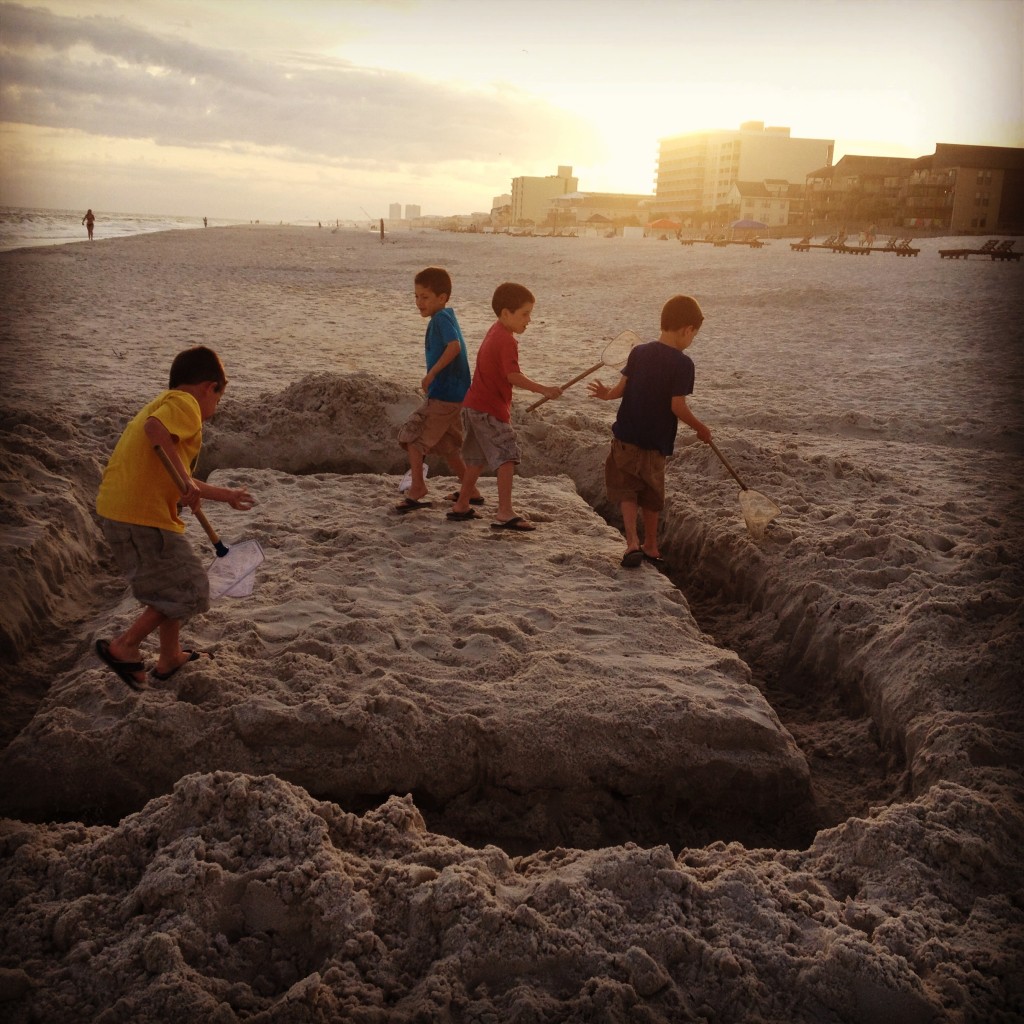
(158, 434)
(195, 490)
(449, 355)
(237, 497)
(685, 414)
(520, 380)
(607, 394)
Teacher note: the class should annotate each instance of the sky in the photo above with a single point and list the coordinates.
(306, 110)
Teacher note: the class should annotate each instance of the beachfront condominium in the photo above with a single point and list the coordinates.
(531, 197)
(696, 172)
(395, 211)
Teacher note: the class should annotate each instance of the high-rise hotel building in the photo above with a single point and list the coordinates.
(696, 172)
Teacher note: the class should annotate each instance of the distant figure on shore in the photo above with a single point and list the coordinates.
(88, 220)
(204, 222)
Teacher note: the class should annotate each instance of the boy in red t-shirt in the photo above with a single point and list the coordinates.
(490, 438)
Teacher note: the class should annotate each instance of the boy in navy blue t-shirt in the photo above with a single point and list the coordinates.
(653, 387)
(436, 426)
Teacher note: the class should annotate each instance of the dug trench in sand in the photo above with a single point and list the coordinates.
(888, 582)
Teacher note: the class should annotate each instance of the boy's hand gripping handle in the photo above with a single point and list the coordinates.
(569, 384)
(218, 544)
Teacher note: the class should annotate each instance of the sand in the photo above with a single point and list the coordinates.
(441, 773)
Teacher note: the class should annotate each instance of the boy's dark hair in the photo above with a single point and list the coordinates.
(437, 279)
(680, 311)
(197, 366)
(510, 296)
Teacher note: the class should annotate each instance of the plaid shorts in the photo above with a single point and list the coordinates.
(489, 440)
(162, 567)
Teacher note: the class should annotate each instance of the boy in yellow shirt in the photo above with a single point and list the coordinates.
(138, 505)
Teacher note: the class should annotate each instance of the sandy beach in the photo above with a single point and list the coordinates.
(440, 773)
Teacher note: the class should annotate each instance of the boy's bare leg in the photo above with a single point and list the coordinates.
(651, 533)
(458, 467)
(506, 471)
(418, 487)
(171, 654)
(172, 657)
(467, 489)
(629, 511)
(128, 646)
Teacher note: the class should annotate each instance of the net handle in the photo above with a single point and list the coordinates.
(215, 540)
(593, 369)
(575, 380)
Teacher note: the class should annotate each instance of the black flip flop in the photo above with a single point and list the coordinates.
(124, 670)
(192, 656)
(410, 505)
(632, 560)
(657, 561)
(461, 517)
(454, 496)
(517, 524)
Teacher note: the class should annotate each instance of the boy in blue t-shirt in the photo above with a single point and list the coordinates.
(653, 387)
(436, 426)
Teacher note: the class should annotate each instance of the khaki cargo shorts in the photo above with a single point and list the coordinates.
(435, 426)
(635, 474)
(162, 567)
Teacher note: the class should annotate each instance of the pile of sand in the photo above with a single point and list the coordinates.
(438, 772)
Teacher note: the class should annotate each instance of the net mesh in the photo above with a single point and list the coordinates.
(758, 511)
(616, 352)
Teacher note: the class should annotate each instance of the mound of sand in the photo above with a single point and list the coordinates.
(362, 808)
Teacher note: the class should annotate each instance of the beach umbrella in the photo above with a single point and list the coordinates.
(664, 224)
(753, 225)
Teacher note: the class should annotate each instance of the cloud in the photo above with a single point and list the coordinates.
(106, 76)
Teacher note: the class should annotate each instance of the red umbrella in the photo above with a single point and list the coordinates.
(664, 225)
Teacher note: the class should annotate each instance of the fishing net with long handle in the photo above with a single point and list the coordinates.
(758, 509)
(615, 354)
(232, 572)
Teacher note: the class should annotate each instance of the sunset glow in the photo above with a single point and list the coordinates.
(313, 109)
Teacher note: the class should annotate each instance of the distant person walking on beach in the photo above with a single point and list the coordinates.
(138, 504)
(653, 387)
(436, 426)
(490, 437)
(88, 220)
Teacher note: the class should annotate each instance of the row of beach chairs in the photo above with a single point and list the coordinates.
(837, 243)
(993, 249)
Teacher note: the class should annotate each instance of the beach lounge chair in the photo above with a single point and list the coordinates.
(1004, 251)
(903, 248)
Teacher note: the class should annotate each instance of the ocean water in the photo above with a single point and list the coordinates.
(21, 227)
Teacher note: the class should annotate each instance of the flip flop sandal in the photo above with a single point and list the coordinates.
(410, 505)
(124, 670)
(517, 524)
(192, 656)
